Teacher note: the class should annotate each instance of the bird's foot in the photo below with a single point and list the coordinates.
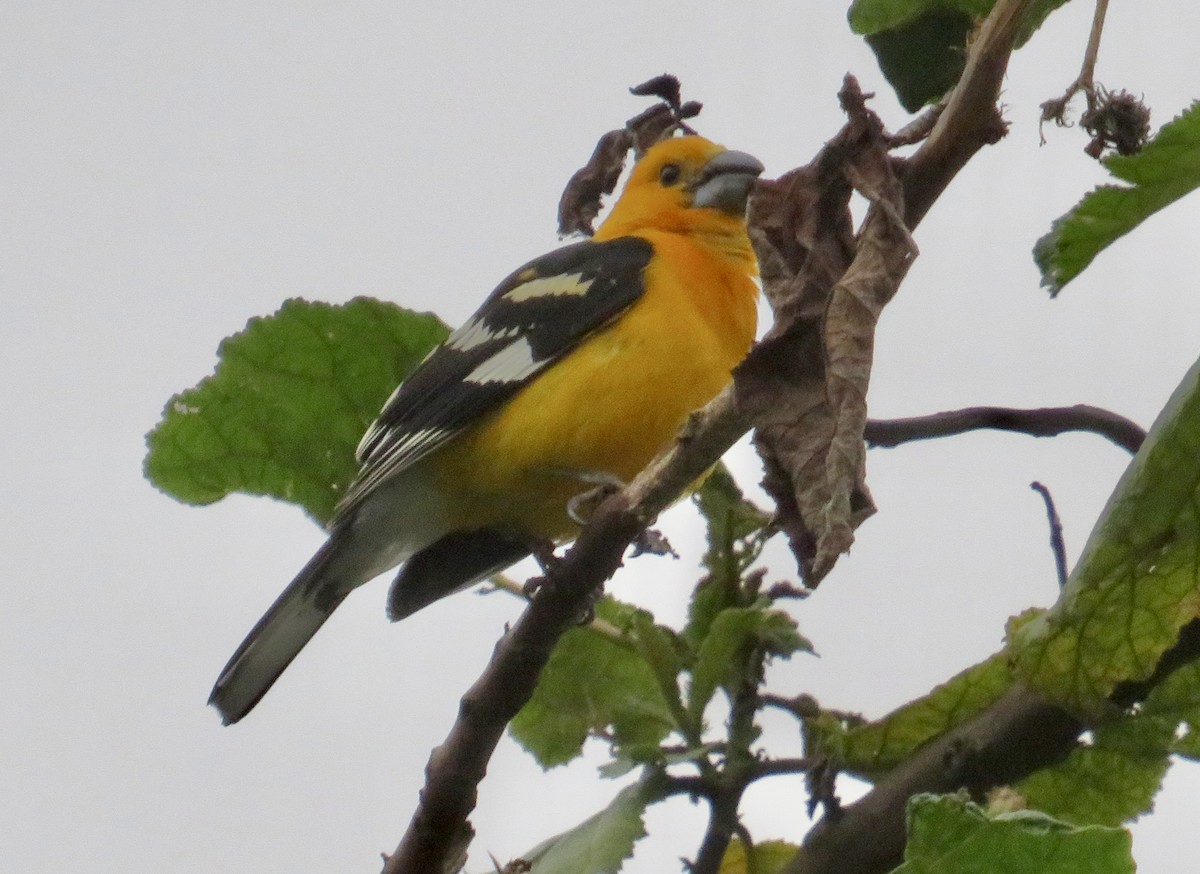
(543, 553)
(583, 506)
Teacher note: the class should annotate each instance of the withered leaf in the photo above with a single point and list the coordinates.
(584, 194)
(804, 386)
(581, 199)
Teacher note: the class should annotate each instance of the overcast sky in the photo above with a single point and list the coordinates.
(169, 169)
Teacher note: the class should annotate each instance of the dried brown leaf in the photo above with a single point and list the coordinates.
(665, 87)
(581, 199)
(805, 384)
(584, 195)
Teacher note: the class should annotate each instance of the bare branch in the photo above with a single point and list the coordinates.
(739, 770)
(1056, 533)
(917, 129)
(801, 707)
(722, 824)
(779, 767)
(1043, 422)
(1056, 109)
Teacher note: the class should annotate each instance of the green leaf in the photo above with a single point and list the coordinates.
(871, 749)
(737, 531)
(1138, 580)
(1164, 171)
(769, 857)
(290, 398)
(921, 45)
(923, 58)
(591, 683)
(663, 651)
(947, 835)
(876, 16)
(722, 658)
(1109, 781)
(599, 844)
(1188, 745)
(1176, 699)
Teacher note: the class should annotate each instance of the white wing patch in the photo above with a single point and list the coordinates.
(569, 284)
(513, 363)
(475, 333)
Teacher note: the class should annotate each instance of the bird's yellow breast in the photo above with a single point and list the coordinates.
(612, 404)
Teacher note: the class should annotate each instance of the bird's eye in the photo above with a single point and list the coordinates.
(669, 175)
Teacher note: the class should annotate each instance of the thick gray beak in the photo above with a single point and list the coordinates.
(725, 182)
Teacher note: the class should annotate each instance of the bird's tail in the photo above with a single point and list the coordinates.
(282, 632)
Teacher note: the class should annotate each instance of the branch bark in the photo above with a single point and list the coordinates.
(1043, 422)
(1057, 545)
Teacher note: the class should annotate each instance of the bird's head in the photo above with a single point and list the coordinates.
(686, 185)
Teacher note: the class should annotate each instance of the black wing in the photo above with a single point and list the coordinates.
(532, 319)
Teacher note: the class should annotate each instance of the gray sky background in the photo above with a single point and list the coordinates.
(170, 169)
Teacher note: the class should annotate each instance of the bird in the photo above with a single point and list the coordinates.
(578, 369)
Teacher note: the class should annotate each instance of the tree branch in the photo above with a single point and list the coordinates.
(1055, 110)
(1057, 546)
(1043, 422)
(1019, 734)
(722, 824)
(777, 767)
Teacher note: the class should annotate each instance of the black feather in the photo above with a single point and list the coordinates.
(452, 563)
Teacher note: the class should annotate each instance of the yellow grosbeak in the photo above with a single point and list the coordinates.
(580, 366)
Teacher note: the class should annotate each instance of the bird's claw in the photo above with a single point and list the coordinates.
(583, 506)
(543, 553)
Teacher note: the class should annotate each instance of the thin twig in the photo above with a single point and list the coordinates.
(505, 583)
(1044, 422)
(1056, 533)
(781, 767)
(801, 707)
(919, 128)
(693, 787)
(1087, 73)
(1055, 109)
